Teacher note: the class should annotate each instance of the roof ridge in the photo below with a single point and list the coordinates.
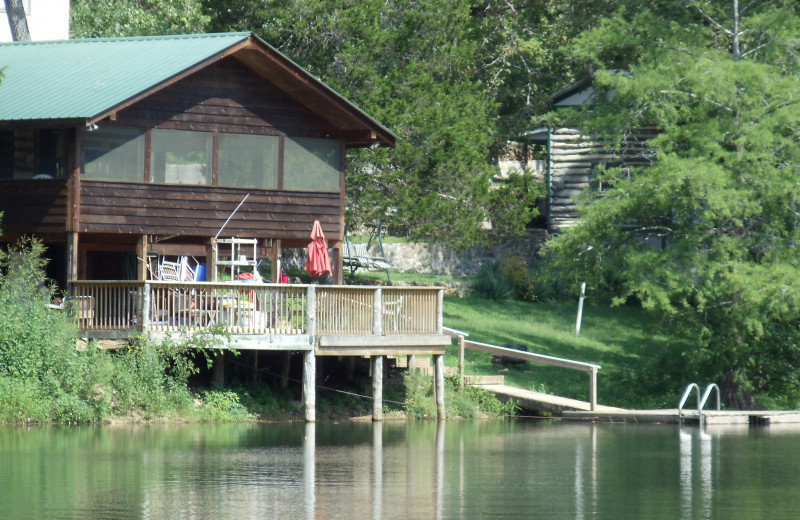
(240, 34)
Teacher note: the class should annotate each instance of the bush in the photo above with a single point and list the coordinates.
(468, 402)
(492, 284)
(515, 268)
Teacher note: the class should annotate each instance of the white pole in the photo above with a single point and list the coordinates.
(580, 310)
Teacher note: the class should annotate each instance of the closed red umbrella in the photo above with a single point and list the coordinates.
(318, 261)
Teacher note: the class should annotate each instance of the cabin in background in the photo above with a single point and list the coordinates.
(115, 149)
(573, 159)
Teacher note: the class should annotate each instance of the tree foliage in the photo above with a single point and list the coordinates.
(112, 18)
(720, 86)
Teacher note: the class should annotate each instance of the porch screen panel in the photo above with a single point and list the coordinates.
(113, 153)
(248, 161)
(311, 164)
(180, 157)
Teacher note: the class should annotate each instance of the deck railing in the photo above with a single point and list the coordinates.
(251, 308)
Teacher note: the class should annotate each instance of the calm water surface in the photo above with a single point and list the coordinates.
(493, 469)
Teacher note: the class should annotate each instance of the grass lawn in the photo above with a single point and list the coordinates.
(617, 339)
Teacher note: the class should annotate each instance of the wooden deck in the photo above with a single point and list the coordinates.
(331, 320)
(316, 320)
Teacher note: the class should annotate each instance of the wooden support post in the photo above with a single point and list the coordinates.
(285, 369)
(338, 264)
(211, 261)
(593, 389)
(438, 372)
(377, 388)
(72, 256)
(141, 258)
(255, 366)
(274, 257)
(146, 308)
(310, 357)
(309, 390)
(219, 368)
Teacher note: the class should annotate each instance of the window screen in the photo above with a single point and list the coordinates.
(311, 164)
(249, 161)
(113, 153)
(180, 157)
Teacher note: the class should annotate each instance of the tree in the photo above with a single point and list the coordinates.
(720, 83)
(415, 66)
(17, 20)
(111, 18)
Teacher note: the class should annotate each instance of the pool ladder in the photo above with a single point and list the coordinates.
(701, 401)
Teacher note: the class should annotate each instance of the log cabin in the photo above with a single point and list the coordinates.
(573, 158)
(113, 149)
(116, 150)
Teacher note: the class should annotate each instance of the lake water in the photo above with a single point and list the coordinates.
(470, 469)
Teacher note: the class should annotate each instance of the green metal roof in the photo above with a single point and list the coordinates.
(78, 79)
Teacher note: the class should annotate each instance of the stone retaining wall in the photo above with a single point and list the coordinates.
(428, 258)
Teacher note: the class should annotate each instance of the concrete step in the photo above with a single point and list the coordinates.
(484, 380)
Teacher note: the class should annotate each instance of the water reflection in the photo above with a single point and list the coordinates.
(491, 469)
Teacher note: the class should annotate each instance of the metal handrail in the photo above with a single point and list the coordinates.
(692, 386)
(707, 394)
(701, 401)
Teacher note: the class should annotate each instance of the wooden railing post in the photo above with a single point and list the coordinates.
(377, 313)
(593, 389)
(311, 312)
(439, 311)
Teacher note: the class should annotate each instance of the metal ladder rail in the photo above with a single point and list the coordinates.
(701, 401)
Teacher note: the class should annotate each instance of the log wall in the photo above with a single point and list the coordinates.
(200, 211)
(225, 97)
(38, 206)
(572, 157)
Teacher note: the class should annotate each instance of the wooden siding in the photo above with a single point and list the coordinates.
(139, 209)
(573, 156)
(226, 97)
(37, 206)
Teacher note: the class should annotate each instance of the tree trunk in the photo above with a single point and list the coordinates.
(17, 21)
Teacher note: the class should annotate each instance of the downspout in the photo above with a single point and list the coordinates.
(548, 181)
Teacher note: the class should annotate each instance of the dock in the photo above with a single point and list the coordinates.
(576, 410)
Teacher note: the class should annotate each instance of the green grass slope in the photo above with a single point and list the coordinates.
(635, 371)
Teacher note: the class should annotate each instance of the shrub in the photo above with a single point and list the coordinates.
(468, 402)
(492, 284)
(515, 268)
